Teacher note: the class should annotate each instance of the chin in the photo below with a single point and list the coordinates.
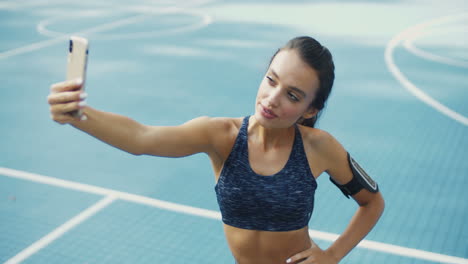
(264, 122)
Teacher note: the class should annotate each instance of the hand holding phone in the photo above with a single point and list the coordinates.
(77, 61)
(66, 99)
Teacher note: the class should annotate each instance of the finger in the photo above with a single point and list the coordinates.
(307, 261)
(298, 256)
(66, 86)
(59, 109)
(314, 245)
(66, 97)
(63, 119)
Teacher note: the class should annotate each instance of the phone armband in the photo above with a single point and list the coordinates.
(361, 180)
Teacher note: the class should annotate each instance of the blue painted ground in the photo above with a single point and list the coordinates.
(417, 155)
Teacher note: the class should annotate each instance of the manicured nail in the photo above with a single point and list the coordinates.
(82, 103)
(78, 81)
(83, 96)
(83, 118)
(288, 260)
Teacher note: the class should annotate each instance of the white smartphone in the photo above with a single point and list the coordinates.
(77, 62)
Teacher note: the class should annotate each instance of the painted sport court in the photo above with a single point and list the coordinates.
(399, 105)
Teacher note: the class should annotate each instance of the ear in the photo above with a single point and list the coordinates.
(311, 112)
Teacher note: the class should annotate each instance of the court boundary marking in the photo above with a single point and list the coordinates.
(206, 20)
(413, 89)
(411, 47)
(111, 195)
(61, 230)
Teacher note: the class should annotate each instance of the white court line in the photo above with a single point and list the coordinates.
(61, 230)
(106, 192)
(367, 244)
(145, 12)
(409, 45)
(391, 249)
(411, 252)
(409, 85)
(206, 20)
(50, 42)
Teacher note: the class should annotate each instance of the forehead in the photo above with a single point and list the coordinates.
(293, 71)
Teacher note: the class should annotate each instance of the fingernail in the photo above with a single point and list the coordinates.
(288, 260)
(83, 118)
(82, 103)
(78, 81)
(83, 95)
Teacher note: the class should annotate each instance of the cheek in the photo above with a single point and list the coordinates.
(290, 111)
(262, 87)
(262, 92)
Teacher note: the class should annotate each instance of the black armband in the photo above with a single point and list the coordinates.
(360, 180)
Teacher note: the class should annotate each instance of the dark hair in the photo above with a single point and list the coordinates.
(320, 59)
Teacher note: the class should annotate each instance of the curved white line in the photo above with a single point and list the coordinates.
(410, 86)
(59, 39)
(32, 47)
(42, 29)
(144, 13)
(409, 45)
(205, 20)
(368, 244)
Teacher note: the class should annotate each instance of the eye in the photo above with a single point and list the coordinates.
(293, 97)
(270, 80)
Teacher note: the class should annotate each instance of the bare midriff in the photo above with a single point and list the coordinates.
(266, 247)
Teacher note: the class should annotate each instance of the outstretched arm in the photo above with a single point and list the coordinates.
(126, 134)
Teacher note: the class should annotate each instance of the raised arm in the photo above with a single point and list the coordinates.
(128, 135)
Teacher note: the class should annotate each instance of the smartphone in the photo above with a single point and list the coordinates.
(77, 61)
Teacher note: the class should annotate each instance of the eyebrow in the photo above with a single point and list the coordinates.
(290, 87)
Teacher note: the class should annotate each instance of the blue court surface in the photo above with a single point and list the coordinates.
(399, 105)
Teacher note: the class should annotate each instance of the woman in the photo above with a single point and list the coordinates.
(265, 165)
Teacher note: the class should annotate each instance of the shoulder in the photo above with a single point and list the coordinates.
(214, 125)
(223, 132)
(218, 125)
(324, 145)
(318, 138)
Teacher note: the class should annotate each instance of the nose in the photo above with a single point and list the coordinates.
(273, 98)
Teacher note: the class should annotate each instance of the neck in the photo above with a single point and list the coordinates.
(270, 138)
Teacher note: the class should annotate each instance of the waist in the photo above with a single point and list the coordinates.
(265, 247)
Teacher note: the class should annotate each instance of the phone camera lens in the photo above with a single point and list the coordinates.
(70, 47)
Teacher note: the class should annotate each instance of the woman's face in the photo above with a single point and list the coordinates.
(286, 91)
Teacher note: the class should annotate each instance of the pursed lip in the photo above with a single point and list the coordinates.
(269, 113)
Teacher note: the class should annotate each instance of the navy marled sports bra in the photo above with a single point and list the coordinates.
(281, 202)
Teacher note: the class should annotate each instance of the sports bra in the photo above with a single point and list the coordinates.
(280, 202)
